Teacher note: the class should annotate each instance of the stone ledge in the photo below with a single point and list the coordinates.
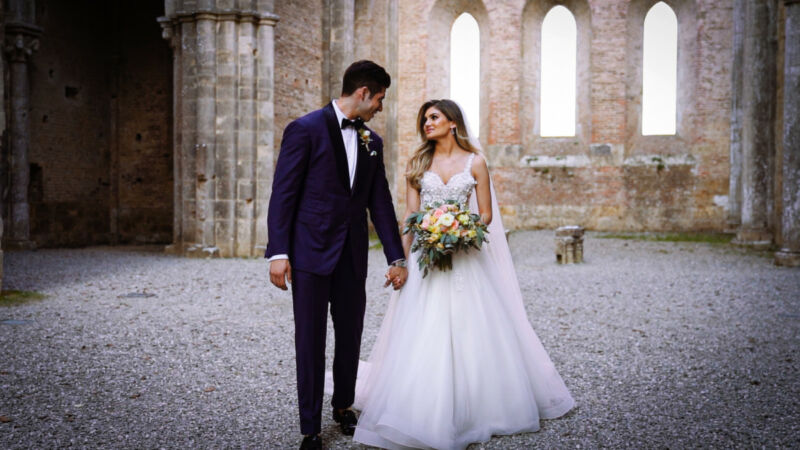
(221, 15)
(787, 258)
(192, 251)
(582, 160)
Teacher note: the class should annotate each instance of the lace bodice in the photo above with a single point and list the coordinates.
(458, 187)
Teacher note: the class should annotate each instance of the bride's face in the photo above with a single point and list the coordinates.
(437, 125)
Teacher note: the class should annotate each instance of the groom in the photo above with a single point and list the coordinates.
(329, 172)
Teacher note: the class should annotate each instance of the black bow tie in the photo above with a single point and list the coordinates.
(358, 123)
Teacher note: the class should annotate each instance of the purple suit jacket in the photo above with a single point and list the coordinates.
(313, 211)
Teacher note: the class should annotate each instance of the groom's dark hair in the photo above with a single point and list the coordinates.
(365, 73)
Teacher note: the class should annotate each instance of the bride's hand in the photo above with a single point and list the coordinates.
(396, 276)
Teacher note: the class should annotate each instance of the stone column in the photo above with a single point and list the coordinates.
(22, 39)
(338, 28)
(758, 119)
(264, 129)
(177, 105)
(3, 167)
(223, 126)
(789, 254)
(735, 181)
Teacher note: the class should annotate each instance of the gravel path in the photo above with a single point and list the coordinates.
(662, 345)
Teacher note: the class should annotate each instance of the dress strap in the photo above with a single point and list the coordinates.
(469, 162)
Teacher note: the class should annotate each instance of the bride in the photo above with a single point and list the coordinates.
(456, 360)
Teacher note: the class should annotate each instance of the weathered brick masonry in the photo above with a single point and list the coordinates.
(610, 177)
(100, 155)
(133, 138)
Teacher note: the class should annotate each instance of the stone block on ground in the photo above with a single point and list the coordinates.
(569, 244)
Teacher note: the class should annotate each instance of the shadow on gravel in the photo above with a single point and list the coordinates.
(49, 268)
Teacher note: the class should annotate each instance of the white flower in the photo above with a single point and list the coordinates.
(446, 220)
(364, 133)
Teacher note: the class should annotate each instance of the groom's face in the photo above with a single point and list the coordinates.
(369, 106)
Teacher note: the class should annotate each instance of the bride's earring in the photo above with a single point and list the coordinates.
(453, 130)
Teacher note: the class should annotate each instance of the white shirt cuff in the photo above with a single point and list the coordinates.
(277, 257)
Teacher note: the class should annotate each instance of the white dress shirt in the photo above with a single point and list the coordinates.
(349, 137)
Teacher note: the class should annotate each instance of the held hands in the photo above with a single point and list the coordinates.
(396, 276)
(279, 272)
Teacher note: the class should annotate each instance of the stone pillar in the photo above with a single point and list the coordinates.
(789, 254)
(569, 244)
(1, 258)
(338, 27)
(758, 122)
(22, 40)
(3, 167)
(734, 219)
(223, 127)
(264, 129)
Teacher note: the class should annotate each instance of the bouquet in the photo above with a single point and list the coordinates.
(441, 230)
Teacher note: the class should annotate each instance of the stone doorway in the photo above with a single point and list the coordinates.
(100, 151)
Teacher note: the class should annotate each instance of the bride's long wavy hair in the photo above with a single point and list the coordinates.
(423, 156)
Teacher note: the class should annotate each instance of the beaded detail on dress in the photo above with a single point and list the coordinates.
(458, 187)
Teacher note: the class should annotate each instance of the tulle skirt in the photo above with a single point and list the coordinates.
(454, 363)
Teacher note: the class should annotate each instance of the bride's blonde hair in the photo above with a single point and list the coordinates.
(423, 156)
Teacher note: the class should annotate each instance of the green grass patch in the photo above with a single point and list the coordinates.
(708, 238)
(374, 240)
(12, 298)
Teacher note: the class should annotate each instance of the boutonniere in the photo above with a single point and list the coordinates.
(363, 134)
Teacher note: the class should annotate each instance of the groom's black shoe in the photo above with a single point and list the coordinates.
(312, 441)
(346, 419)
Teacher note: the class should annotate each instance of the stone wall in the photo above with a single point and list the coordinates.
(104, 133)
(100, 155)
(608, 177)
(69, 123)
(298, 75)
(142, 92)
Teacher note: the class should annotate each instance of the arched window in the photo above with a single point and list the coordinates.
(559, 68)
(659, 71)
(465, 60)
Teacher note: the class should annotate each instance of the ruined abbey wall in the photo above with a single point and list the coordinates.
(609, 176)
(160, 121)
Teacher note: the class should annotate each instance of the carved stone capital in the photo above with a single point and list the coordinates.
(21, 41)
(240, 16)
(168, 32)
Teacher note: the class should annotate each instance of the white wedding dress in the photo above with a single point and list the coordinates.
(456, 360)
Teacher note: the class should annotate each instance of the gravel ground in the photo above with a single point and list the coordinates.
(662, 344)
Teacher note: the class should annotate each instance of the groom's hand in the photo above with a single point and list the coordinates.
(279, 272)
(396, 276)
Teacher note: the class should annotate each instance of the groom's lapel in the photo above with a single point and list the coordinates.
(335, 134)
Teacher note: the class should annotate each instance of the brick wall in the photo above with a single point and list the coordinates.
(69, 151)
(143, 141)
(101, 151)
(101, 114)
(618, 180)
(298, 62)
